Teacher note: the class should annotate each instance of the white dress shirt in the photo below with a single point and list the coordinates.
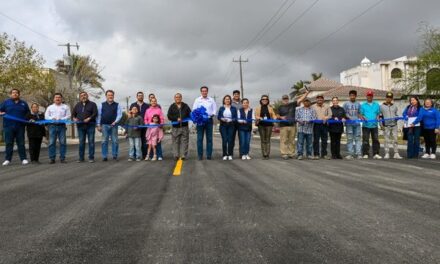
(208, 103)
(57, 112)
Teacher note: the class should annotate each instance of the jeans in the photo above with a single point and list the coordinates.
(236, 134)
(57, 132)
(307, 140)
(86, 131)
(180, 139)
(135, 148)
(320, 132)
(107, 132)
(245, 141)
(16, 134)
(265, 136)
(366, 131)
(413, 146)
(391, 138)
(201, 130)
(354, 136)
(227, 133)
(287, 140)
(144, 144)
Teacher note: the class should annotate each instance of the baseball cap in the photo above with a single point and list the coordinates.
(389, 95)
(285, 96)
(370, 93)
(320, 96)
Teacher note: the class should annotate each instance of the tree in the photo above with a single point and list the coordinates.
(86, 75)
(316, 76)
(297, 88)
(423, 76)
(22, 67)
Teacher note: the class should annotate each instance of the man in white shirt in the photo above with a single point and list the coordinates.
(207, 128)
(59, 113)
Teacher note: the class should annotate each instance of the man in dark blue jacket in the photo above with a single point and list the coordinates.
(85, 112)
(14, 130)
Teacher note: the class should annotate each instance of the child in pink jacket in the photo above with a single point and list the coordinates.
(154, 136)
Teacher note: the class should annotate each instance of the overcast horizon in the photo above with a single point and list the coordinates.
(164, 47)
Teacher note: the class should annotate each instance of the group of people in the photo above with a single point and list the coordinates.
(304, 128)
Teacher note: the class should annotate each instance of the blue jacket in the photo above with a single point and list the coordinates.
(19, 110)
(248, 125)
(233, 113)
(430, 118)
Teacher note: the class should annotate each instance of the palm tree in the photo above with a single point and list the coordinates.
(297, 87)
(86, 74)
(316, 76)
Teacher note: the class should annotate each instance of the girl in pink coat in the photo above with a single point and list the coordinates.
(154, 136)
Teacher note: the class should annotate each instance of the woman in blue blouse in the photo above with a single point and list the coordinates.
(227, 115)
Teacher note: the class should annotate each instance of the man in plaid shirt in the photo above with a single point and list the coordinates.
(304, 117)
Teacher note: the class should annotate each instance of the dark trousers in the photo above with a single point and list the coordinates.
(366, 132)
(86, 132)
(34, 148)
(430, 140)
(227, 132)
(335, 144)
(16, 134)
(236, 135)
(320, 132)
(207, 129)
(265, 136)
(144, 144)
(413, 147)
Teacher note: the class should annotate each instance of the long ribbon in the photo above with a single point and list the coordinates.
(316, 121)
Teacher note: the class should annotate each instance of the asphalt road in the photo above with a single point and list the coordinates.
(218, 211)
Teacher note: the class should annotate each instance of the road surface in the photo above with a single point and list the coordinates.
(218, 211)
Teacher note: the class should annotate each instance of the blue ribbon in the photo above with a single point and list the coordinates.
(199, 118)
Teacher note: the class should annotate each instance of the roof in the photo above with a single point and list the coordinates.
(323, 84)
(342, 92)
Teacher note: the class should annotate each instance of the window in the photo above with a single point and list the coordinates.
(433, 79)
(396, 73)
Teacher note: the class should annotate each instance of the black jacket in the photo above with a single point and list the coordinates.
(339, 113)
(82, 111)
(175, 112)
(34, 130)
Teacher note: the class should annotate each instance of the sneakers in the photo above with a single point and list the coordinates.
(349, 157)
(359, 157)
(377, 156)
(426, 156)
(160, 158)
(397, 156)
(6, 163)
(387, 156)
(248, 157)
(229, 157)
(285, 157)
(130, 159)
(225, 157)
(147, 158)
(138, 159)
(154, 158)
(365, 157)
(24, 162)
(300, 157)
(432, 156)
(243, 157)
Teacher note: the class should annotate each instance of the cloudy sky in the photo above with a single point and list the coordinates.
(169, 46)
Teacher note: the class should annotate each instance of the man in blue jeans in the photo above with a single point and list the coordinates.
(109, 114)
(370, 112)
(353, 129)
(85, 112)
(14, 130)
(58, 113)
(207, 128)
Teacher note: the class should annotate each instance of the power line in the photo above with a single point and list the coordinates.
(287, 28)
(330, 34)
(28, 28)
(268, 26)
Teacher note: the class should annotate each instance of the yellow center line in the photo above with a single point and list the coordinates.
(178, 168)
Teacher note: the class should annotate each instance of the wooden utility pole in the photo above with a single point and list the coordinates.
(241, 74)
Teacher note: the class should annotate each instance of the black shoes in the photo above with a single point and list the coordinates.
(52, 162)
(104, 159)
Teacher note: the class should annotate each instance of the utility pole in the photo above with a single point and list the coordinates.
(70, 73)
(241, 74)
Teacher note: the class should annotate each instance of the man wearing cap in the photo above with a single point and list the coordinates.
(320, 129)
(286, 112)
(370, 113)
(304, 116)
(389, 112)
